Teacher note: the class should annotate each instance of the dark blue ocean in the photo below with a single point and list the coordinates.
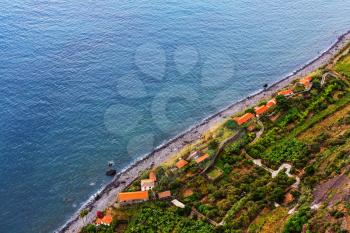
(86, 82)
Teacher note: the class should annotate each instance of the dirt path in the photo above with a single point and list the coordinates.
(274, 173)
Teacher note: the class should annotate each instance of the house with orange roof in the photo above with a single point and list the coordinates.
(271, 103)
(164, 195)
(245, 118)
(153, 176)
(259, 110)
(147, 184)
(133, 197)
(181, 163)
(306, 81)
(202, 158)
(286, 92)
(105, 220)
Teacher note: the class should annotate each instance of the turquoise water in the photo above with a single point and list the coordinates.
(86, 82)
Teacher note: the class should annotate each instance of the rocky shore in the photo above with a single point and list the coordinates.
(107, 196)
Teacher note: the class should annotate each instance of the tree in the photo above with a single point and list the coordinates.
(310, 170)
(316, 84)
(231, 124)
(213, 145)
(282, 102)
(296, 222)
(249, 110)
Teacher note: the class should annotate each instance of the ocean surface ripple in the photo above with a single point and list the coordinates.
(86, 82)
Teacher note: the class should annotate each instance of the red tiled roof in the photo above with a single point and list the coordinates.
(164, 194)
(106, 220)
(153, 176)
(131, 196)
(261, 109)
(271, 102)
(181, 163)
(202, 158)
(305, 81)
(285, 92)
(243, 119)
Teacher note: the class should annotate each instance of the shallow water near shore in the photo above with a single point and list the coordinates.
(84, 82)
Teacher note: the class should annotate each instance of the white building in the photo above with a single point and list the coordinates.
(147, 184)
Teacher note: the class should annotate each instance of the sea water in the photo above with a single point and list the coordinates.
(87, 82)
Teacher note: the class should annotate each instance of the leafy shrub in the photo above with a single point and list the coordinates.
(165, 221)
(337, 214)
(290, 150)
(213, 145)
(283, 102)
(83, 213)
(249, 110)
(310, 170)
(90, 228)
(290, 116)
(231, 124)
(296, 222)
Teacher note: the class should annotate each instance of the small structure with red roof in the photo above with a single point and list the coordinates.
(202, 158)
(286, 92)
(306, 82)
(153, 176)
(164, 195)
(259, 110)
(105, 220)
(271, 102)
(181, 163)
(133, 197)
(245, 118)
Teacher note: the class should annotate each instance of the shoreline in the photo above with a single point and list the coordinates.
(106, 196)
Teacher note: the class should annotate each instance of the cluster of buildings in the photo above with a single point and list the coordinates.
(197, 156)
(150, 183)
(260, 110)
(143, 195)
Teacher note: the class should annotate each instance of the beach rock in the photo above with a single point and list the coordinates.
(111, 172)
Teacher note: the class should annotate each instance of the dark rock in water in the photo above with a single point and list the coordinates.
(111, 172)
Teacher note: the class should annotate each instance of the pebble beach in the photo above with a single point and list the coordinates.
(107, 196)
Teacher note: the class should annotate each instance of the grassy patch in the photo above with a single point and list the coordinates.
(329, 123)
(343, 66)
(215, 173)
(269, 221)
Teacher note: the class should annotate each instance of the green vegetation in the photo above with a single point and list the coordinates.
(214, 173)
(165, 221)
(90, 228)
(343, 66)
(296, 222)
(292, 151)
(83, 213)
(309, 130)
